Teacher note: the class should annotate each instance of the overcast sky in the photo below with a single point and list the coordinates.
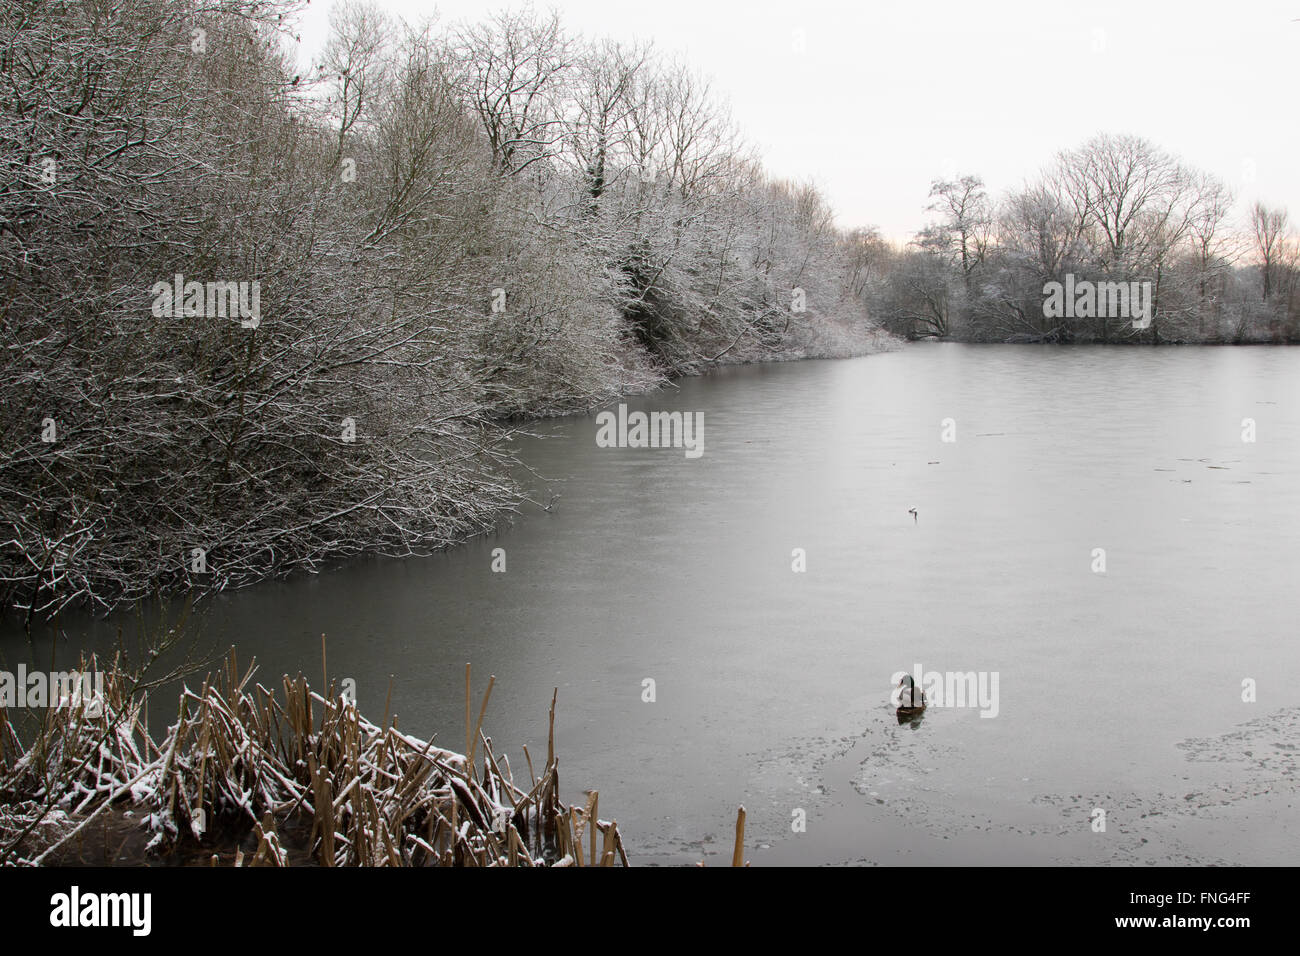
(884, 97)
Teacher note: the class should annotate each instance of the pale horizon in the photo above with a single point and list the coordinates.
(857, 115)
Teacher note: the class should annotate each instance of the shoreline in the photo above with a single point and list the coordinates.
(871, 342)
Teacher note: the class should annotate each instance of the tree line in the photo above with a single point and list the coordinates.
(446, 227)
(1117, 209)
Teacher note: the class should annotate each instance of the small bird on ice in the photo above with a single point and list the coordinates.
(915, 516)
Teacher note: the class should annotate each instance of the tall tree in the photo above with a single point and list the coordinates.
(1268, 227)
(966, 223)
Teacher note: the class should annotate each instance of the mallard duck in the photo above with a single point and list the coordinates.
(908, 705)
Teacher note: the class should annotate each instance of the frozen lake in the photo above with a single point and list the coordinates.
(1119, 690)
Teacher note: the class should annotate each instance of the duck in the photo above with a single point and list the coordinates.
(908, 707)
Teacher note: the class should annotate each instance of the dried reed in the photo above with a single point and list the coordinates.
(244, 760)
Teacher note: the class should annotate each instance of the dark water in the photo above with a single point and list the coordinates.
(1119, 690)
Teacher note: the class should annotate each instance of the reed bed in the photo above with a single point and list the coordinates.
(286, 777)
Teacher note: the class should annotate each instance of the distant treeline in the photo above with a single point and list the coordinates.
(1117, 209)
(438, 228)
